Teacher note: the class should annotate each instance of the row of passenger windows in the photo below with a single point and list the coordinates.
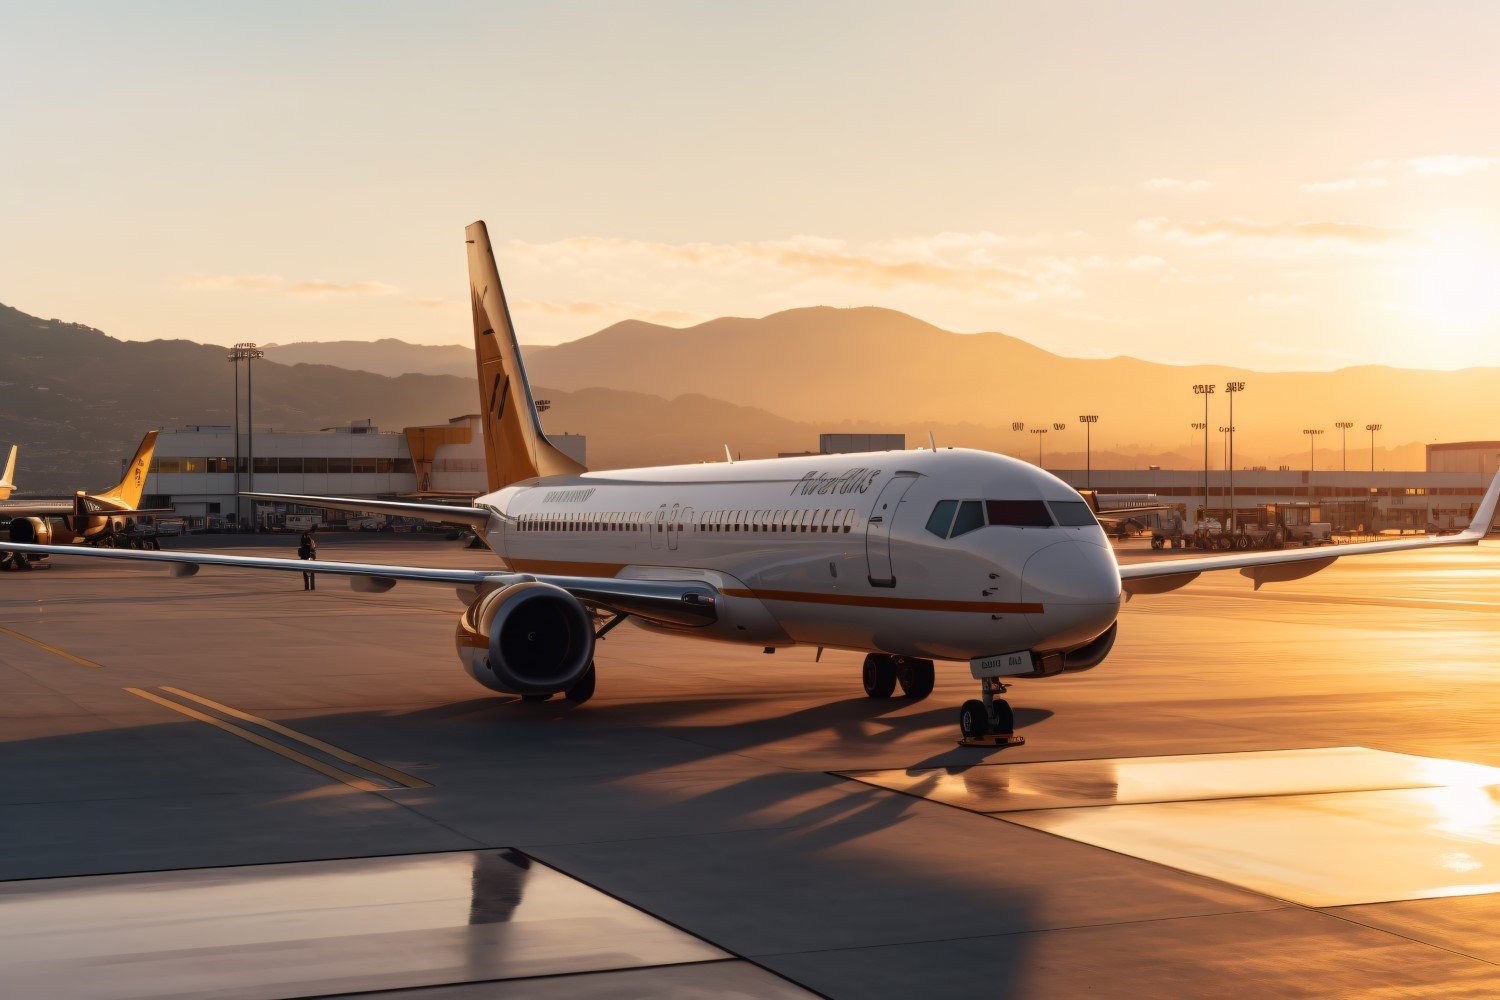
(839, 519)
(951, 518)
(822, 520)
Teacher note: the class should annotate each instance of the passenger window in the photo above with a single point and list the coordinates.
(1018, 513)
(941, 518)
(970, 516)
(1072, 513)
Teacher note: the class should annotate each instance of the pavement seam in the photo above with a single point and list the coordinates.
(1030, 930)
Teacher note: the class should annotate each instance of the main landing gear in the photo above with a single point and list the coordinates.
(883, 672)
(987, 721)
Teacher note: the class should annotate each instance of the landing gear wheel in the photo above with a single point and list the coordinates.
(880, 675)
(583, 689)
(1002, 719)
(973, 719)
(915, 677)
(541, 696)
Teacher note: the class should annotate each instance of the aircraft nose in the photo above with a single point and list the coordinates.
(1077, 586)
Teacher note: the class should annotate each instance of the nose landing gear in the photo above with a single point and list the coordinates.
(987, 721)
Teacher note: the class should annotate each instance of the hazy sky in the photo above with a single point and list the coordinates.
(1275, 185)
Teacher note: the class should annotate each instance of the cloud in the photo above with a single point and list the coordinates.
(276, 283)
(1451, 164)
(964, 262)
(1173, 184)
(1347, 184)
(1273, 237)
(319, 287)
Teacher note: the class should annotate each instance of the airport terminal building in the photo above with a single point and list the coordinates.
(193, 470)
(1442, 496)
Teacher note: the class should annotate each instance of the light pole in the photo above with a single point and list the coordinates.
(1018, 426)
(1312, 439)
(1039, 431)
(1088, 421)
(1234, 389)
(1205, 391)
(1372, 428)
(1343, 426)
(249, 354)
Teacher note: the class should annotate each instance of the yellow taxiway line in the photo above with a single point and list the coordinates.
(352, 780)
(51, 649)
(399, 777)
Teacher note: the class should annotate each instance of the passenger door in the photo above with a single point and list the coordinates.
(878, 529)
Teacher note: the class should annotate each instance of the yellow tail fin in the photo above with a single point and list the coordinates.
(127, 494)
(515, 448)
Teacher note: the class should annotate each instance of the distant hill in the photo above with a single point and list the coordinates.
(883, 369)
(382, 357)
(77, 400)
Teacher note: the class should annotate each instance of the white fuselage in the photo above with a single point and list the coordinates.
(831, 550)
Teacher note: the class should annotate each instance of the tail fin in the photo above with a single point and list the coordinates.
(8, 477)
(127, 494)
(514, 446)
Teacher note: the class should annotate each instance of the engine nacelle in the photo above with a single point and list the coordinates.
(528, 638)
(37, 531)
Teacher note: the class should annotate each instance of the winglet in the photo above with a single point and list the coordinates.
(1485, 512)
(7, 478)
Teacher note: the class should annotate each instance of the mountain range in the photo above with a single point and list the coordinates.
(77, 399)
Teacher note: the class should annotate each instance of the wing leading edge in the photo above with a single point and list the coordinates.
(665, 601)
(1273, 567)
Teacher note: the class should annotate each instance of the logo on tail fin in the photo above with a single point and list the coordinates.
(126, 495)
(515, 449)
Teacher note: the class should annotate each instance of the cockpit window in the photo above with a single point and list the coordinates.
(942, 517)
(1072, 513)
(1018, 513)
(970, 516)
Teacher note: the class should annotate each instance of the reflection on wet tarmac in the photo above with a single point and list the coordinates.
(1318, 850)
(1323, 827)
(1180, 778)
(321, 927)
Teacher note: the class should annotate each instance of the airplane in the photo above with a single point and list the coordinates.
(8, 477)
(906, 556)
(85, 518)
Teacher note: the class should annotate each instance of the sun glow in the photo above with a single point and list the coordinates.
(1454, 291)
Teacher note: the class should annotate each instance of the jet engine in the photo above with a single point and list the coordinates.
(527, 638)
(36, 531)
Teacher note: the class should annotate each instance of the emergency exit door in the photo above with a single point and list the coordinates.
(878, 529)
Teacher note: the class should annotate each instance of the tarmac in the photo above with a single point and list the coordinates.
(226, 786)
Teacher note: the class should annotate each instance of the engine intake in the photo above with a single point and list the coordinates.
(528, 638)
(31, 531)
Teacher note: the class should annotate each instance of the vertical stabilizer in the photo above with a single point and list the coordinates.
(515, 448)
(8, 477)
(127, 494)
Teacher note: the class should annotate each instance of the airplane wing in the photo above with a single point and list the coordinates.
(474, 517)
(1293, 564)
(665, 601)
(35, 508)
